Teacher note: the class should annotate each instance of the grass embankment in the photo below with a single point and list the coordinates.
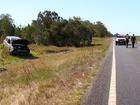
(51, 76)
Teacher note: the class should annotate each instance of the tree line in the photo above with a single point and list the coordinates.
(51, 29)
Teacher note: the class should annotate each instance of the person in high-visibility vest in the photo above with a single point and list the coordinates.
(127, 37)
(133, 40)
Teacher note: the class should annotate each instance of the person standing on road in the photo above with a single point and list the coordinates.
(127, 37)
(133, 40)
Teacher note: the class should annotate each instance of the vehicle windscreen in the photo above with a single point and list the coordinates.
(120, 37)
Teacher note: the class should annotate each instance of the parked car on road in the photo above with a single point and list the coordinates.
(120, 40)
(16, 45)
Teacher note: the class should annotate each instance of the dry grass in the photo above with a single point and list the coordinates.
(138, 38)
(52, 76)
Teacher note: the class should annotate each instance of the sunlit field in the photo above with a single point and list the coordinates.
(50, 75)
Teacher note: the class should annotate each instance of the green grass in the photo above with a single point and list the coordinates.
(53, 75)
(1, 46)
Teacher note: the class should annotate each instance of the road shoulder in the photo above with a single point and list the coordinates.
(98, 92)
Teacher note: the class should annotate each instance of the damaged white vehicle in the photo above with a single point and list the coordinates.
(16, 45)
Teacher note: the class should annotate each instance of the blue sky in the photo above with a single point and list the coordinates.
(120, 16)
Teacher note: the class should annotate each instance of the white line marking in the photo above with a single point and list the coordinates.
(112, 92)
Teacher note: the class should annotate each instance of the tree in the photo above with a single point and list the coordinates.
(28, 33)
(18, 31)
(50, 28)
(6, 25)
(100, 29)
(42, 26)
(76, 33)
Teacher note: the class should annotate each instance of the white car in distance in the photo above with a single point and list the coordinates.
(120, 40)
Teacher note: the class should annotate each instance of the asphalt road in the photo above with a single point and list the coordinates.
(128, 75)
(127, 78)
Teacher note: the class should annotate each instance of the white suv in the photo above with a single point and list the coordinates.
(120, 40)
